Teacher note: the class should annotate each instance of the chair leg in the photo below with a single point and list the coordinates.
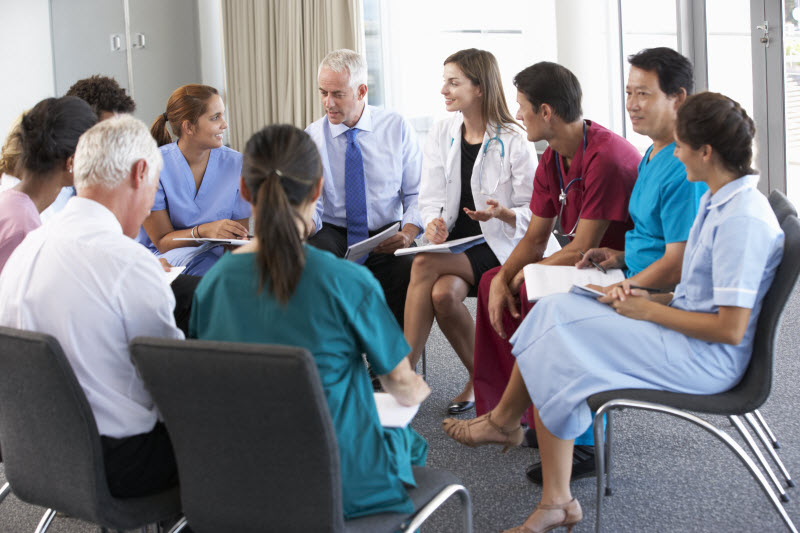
(752, 420)
(44, 523)
(4, 491)
(609, 444)
(600, 458)
(721, 435)
(424, 364)
(436, 502)
(179, 525)
(760, 456)
(773, 439)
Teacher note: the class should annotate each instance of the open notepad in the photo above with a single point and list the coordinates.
(360, 249)
(235, 242)
(391, 413)
(450, 247)
(544, 280)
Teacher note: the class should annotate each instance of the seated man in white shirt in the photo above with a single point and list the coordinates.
(371, 166)
(84, 280)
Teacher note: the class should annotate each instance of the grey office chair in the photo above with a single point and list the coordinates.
(51, 448)
(255, 444)
(743, 399)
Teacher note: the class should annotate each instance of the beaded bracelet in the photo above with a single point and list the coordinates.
(198, 233)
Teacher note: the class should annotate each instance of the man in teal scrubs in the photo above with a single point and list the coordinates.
(663, 204)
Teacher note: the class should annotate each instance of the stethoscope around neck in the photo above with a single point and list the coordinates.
(562, 197)
(486, 146)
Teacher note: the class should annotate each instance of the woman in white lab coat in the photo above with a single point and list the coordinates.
(477, 179)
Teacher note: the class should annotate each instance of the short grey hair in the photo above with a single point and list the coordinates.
(347, 60)
(107, 151)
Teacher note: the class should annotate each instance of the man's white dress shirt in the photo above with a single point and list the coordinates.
(81, 280)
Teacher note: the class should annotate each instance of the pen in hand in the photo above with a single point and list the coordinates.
(650, 289)
(598, 267)
(441, 211)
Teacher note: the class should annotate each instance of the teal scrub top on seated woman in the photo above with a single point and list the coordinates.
(337, 312)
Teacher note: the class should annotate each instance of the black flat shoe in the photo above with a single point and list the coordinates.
(582, 465)
(531, 441)
(456, 408)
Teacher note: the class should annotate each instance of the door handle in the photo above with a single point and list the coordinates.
(116, 42)
(139, 40)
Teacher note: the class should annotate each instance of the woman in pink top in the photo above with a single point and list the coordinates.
(49, 134)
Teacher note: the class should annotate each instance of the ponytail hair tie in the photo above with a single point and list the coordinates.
(165, 117)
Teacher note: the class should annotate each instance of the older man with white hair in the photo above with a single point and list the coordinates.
(84, 280)
(371, 165)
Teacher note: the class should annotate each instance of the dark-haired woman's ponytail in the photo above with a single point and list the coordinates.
(280, 245)
(159, 130)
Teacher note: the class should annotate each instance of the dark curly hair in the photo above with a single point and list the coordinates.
(103, 94)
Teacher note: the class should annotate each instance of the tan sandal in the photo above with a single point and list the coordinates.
(569, 514)
(461, 431)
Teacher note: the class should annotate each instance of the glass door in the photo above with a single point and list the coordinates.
(791, 62)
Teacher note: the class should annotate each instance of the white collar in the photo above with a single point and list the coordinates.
(364, 123)
(729, 190)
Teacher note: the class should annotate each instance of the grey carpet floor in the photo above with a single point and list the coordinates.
(668, 474)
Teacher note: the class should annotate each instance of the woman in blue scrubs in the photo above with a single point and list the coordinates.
(198, 191)
(277, 289)
(697, 341)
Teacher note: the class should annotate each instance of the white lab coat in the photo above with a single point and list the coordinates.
(441, 180)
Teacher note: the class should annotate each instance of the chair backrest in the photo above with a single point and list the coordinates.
(48, 434)
(757, 381)
(781, 206)
(252, 434)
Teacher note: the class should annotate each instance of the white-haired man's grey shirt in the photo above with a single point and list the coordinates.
(81, 280)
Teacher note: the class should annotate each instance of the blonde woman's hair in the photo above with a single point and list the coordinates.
(12, 148)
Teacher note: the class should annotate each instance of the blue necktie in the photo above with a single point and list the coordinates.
(355, 199)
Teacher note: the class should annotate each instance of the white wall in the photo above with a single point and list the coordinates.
(26, 60)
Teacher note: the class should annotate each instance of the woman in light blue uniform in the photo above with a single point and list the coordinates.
(698, 341)
(277, 289)
(198, 190)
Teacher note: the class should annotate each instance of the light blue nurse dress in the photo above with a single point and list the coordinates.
(570, 347)
(217, 198)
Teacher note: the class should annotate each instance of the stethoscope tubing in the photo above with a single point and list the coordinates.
(562, 197)
(485, 150)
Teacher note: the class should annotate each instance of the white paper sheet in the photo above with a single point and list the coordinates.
(544, 280)
(173, 273)
(391, 413)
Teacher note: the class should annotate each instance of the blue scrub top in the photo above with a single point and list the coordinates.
(663, 206)
(217, 198)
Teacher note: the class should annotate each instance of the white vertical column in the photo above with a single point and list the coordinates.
(588, 45)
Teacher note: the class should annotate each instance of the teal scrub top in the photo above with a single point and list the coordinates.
(663, 206)
(337, 312)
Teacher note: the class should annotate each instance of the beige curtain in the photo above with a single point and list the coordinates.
(272, 51)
